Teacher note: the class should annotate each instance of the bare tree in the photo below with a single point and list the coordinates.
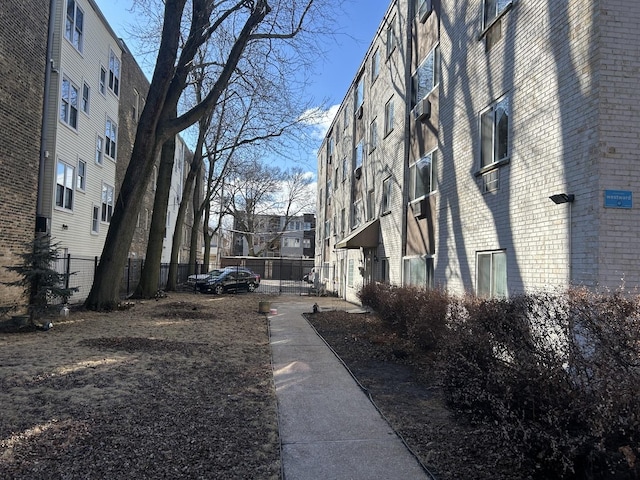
(263, 194)
(235, 25)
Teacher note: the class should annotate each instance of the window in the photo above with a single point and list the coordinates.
(335, 176)
(136, 105)
(95, 219)
(291, 242)
(69, 103)
(357, 214)
(85, 98)
(386, 195)
(384, 270)
(306, 243)
(373, 136)
(110, 136)
(418, 271)
(82, 175)
(74, 24)
(491, 274)
(103, 80)
(107, 202)
(329, 191)
(327, 228)
(350, 272)
(494, 133)
(422, 176)
(375, 64)
(345, 169)
(426, 77)
(359, 99)
(330, 149)
(99, 149)
(391, 37)
(423, 7)
(345, 115)
(388, 117)
(114, 73)
(371, 206)
(492, 9)
(359, 154)
(336, 132)
(64, 186)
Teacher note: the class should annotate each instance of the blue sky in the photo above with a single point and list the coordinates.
(356, 28)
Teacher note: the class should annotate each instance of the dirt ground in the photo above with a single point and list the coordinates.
(182, 388)
(175, 388)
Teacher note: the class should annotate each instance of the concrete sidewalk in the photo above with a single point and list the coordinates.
(329, 429)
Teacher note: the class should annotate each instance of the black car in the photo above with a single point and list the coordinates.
(231, 280)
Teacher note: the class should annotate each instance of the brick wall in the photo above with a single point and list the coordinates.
(23, 38)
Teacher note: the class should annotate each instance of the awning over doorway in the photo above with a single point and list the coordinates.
(365, 236)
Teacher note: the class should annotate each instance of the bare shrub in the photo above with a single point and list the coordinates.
(559, 373)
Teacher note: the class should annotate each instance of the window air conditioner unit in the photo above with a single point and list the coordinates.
(357, 173)
(420, 208)
(424, 10)
(359, 112)
(422, 110)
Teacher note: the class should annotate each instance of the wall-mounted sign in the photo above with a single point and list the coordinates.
(618, 199)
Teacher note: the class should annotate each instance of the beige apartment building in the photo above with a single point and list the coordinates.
(489, 147)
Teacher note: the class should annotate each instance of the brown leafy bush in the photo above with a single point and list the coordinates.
(418, 315)
(560, 373)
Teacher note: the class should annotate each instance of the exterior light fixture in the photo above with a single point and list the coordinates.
(562, 198)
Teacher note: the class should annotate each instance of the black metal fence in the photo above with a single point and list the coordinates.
(277, 275)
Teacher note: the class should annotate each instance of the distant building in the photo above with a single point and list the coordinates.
(271, 238)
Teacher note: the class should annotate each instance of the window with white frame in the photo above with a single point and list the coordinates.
(386, 195)
(82, 175)
(423, 7)
(103, 80)
(356, 218)
(306, 243)
(110, 135)
(494, 133)
(371, 206)
(74, 24)
(388, 117)
(491, 274)
(85, 98)
(359, 154)
(114, 73)
(291, 242)
(64, 185)
(373, 135)
(107, 203)
(359, 93)
(422, 175)
(418, 271)
(391, 37)
(69, 103)
(426, 76)
(95, 219)
(492, 9)
(375, 64)
(99, 149)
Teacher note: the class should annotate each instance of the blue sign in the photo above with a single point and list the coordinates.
(618, 199)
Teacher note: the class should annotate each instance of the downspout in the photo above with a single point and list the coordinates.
(44, 154)
(407, 133)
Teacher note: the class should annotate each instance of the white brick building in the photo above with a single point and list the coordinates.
(498, 106)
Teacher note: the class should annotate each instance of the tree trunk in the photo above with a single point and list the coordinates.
(197, 216)
(188, 191)
(150, 276)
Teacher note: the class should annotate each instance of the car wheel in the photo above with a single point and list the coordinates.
(251, 287)
(218, 289)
